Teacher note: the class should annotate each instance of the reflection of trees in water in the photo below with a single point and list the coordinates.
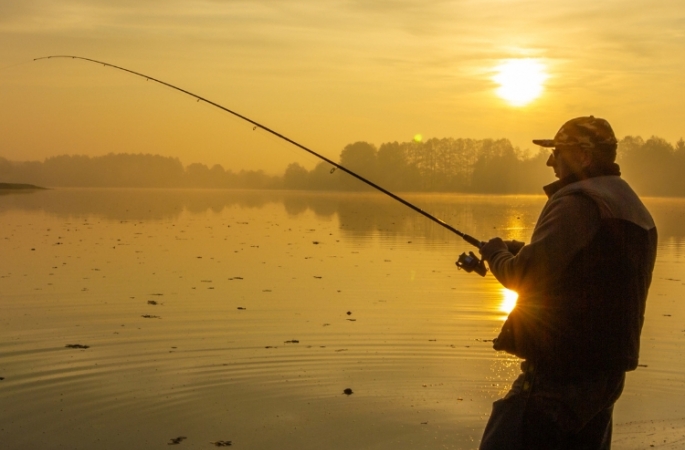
(132, 204)
(360, 215)
(363, 215)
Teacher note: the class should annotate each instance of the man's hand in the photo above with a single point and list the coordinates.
(514, 246)
(493, 246)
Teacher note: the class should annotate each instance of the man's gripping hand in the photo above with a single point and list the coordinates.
(514, 246)
(493, 246)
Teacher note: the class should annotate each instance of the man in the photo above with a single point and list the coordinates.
(582, 283)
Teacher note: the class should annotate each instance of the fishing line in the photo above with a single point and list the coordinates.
(15, 65)
(258, 126)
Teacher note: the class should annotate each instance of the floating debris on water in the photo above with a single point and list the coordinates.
(151, 302)
(349, 313)
(293, 341)
(77, 346)
(315, 242)
(348, 391)
(318, 277)
(178, 440)
(221, 443)
(241, 307)
(150, 316)
(352, 320)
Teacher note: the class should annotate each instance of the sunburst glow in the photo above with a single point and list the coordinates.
(508, 300)
(520, 80)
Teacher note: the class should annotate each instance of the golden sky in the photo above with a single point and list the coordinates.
(328, 73)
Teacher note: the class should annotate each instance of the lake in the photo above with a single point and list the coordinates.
(243, 316)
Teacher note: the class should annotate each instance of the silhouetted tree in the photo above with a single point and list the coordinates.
(360, 158)
(323, 177)
(393, 169)
(296, 177)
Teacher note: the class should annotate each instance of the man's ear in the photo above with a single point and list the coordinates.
(586, 157)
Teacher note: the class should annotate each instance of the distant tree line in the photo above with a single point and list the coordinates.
(130, 170)
(436, 165)
(489, 166)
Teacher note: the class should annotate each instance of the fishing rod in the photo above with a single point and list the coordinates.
(469, 263)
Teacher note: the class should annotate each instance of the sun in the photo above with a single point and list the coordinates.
(520, 80)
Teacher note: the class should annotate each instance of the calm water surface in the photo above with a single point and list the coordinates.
(242, 316)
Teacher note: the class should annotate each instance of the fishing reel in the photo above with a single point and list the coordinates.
(471, 263)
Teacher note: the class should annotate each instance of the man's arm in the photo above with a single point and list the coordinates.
(566, 225)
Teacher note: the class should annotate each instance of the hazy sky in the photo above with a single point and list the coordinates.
(327, 73)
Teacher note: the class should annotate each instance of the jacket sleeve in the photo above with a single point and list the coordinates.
(566, 225)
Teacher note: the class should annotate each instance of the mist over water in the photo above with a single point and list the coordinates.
(243, 315)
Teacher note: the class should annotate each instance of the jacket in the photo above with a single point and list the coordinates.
(583, 279)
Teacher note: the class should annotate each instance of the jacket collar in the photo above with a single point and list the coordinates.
(610, 169)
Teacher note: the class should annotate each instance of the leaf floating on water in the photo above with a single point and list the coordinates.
(176, 441)
(77, 346)
(221, 443)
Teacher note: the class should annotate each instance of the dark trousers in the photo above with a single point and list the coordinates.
(552, 411)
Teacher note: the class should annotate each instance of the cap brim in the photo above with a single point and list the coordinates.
(544, 142)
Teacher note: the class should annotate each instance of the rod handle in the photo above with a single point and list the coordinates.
(473, 241)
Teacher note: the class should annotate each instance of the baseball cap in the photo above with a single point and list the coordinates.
(587, 132)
